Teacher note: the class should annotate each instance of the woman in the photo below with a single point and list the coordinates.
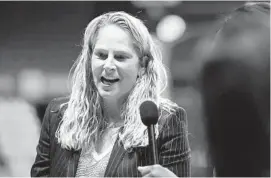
(97, 130)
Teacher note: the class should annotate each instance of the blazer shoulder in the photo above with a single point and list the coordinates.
(172, 113)
(54, 112)
(57, 103)
(168, 108)
(56, 108)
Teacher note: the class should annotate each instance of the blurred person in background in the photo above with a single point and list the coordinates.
(235, 83)
(236, 94)
(97, 130)
(4, 168)
(19, 133)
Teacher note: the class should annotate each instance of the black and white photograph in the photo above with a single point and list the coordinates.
(135, 88)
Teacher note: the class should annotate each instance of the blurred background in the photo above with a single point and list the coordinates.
(39, 41)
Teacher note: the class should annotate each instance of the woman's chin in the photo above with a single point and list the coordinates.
(107, 94)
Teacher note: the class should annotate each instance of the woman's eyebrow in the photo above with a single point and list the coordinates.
(123, 52)
(100, 50)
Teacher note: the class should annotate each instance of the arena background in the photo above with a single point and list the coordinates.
(39, 42)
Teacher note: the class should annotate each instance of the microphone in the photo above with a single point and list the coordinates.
(149, 117)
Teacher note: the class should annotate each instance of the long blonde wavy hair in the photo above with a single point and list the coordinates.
(83, 116)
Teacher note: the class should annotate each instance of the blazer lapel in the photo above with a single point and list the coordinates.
(72, 156)
(73, 163)
(116, 157)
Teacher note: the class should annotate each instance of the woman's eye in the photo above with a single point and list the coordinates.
(102, 55)
(120, 57)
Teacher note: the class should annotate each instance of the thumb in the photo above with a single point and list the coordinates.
(144, 169)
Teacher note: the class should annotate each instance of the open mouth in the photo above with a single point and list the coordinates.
(108, 81)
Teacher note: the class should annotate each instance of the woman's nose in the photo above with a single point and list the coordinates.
(109, 65)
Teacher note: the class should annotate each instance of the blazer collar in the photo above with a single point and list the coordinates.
(72, 156)
(73, 163)
(115, 159)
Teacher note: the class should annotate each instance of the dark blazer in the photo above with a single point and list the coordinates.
(172, 143)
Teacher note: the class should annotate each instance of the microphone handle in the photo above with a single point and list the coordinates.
(152, 143)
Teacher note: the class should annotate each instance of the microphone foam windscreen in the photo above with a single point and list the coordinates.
(149, 113)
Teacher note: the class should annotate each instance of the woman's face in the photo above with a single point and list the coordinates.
(115, 63)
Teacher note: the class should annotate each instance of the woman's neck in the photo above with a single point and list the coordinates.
(112, 111)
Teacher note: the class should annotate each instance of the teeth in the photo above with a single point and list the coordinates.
(108, 81)
(110, 78)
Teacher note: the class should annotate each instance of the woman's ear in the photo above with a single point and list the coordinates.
(143, 65)
(140, 72)
(145, 60)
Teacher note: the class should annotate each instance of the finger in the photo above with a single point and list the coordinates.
(148, 175)
(144, 169)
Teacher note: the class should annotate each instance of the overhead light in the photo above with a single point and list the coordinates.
(170, 28)
(32, 84)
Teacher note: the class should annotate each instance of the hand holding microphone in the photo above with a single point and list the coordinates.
(149, 116)
(155, 171)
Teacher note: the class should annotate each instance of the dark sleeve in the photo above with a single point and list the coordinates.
(174, 151)
(41, 166)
